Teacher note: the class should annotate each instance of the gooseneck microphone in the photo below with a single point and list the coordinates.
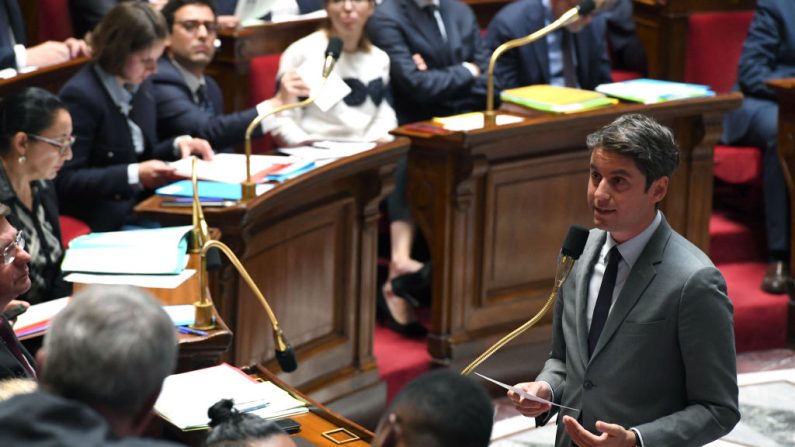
(572, 248)
(582, 10)
(333, 51)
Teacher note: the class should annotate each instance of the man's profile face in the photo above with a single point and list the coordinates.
(618, 197)
(192, 43)
(14, 279)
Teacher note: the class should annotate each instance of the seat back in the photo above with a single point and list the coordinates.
(71, 227)
(714, 44)
(55, 23)
(262, 86)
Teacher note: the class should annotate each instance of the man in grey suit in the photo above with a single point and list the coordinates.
(643, 338)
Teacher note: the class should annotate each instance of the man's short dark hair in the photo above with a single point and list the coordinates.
(230, 428)
(444, 409)
(170, 9)
(648, 143)
(125, 29)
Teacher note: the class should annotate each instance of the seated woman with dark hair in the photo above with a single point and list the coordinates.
(118, 158)
(35, 141)
(231, 428)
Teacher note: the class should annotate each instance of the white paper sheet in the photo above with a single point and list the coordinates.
(524, 394)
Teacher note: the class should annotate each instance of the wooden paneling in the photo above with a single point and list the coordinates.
(311, 246)
(495, 204)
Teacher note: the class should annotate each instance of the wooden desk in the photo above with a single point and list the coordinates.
(194, 351)
(49, 78)
(319, 419)
(495, 205)
(311, 246)
(662, 28)
(785, 92)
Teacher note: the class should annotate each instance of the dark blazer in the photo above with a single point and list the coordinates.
(401, 29)
(227, 7)
(93, 185)
(768, 53)
(665, 363)
(13, 18)
(529, 64)
(9, 365)
(177, 114)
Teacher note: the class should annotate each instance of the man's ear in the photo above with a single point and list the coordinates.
(658, 189)
(41, 354)
(140, 421)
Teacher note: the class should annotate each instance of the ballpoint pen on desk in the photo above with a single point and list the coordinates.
(189, 330)
(246, 407)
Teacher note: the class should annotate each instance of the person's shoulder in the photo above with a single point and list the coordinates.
(314, 42)
(685, 254)
(166, 72)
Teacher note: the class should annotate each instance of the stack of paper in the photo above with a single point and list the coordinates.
(209, 190)
(231, 168)
(651, 91)
(550, 98)
(186, 397)
(37, 318)
(147, 252)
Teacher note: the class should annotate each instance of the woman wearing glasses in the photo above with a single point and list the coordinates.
(118, 157)
(35, 141)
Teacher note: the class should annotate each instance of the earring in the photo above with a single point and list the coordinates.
(22, 159)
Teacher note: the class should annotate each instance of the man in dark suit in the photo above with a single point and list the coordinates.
(14, 54)
(188, 101)
(15, 361)
(103, 363)
(438, 60)
(643, 336)
(768, 53)
(545, 61)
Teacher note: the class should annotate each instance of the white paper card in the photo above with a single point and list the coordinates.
(524, 394)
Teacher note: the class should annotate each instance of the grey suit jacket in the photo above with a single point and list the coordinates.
(665, 362)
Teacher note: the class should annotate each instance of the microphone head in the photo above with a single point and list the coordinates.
(334, 47)
(286, 359)
(586, 7)
(575, 242)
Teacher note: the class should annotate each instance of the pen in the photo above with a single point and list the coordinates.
(188, 330)
(248, 406)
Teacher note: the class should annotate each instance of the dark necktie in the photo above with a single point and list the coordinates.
(204, 101)
(569, 73)
(10, 340)
(431, 11)
(604, 299)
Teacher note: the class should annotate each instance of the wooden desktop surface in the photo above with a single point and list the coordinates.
(495, 204)
(310, 244)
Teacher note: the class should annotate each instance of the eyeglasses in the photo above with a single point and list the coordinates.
(192, 26)
(62, 146)
(353, 2)
(10, 251)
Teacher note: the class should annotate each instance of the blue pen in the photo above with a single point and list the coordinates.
(249, 407)
(189, 330)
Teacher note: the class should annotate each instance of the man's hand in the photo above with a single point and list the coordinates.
(77, 47)
(291, 87)
(531, 408)
(155, 173)
(48, 53)
(195, 146)
(228, 22)
(612, 435)
(419, 62)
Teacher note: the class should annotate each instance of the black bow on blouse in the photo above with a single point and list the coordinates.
(360, 92)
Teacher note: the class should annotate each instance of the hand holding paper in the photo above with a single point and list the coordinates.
(526, 395)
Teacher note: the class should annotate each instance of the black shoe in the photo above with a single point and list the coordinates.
(413, 286)
(412, 329)
(776, 278)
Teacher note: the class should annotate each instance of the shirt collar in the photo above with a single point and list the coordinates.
(121, 95)
(630, 250)
(191, 80)
(423, 3)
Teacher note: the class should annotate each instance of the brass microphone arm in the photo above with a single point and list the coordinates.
(278, 335)
(248, 187)
(201, 234)
(566, 264)
(566, 19)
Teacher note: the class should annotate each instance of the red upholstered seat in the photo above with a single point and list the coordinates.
(623, 75)
(714, 45)
(71, 228)
(262, 86)
(54, 20)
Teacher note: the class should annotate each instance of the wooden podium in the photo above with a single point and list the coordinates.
(495, 204)
(311, 246)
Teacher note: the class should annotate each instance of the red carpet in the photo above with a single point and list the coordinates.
(399, 359)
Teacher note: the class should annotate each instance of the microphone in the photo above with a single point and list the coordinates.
(333, 51)
(585, 8)
(572, 248)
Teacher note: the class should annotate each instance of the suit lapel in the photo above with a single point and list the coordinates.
(590, 255)
(535, 16)
(638, 280)
(453, 36)
(415, 15)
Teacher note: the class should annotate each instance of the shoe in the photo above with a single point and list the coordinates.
(412, 329)
(775, 280)
(413, 286)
